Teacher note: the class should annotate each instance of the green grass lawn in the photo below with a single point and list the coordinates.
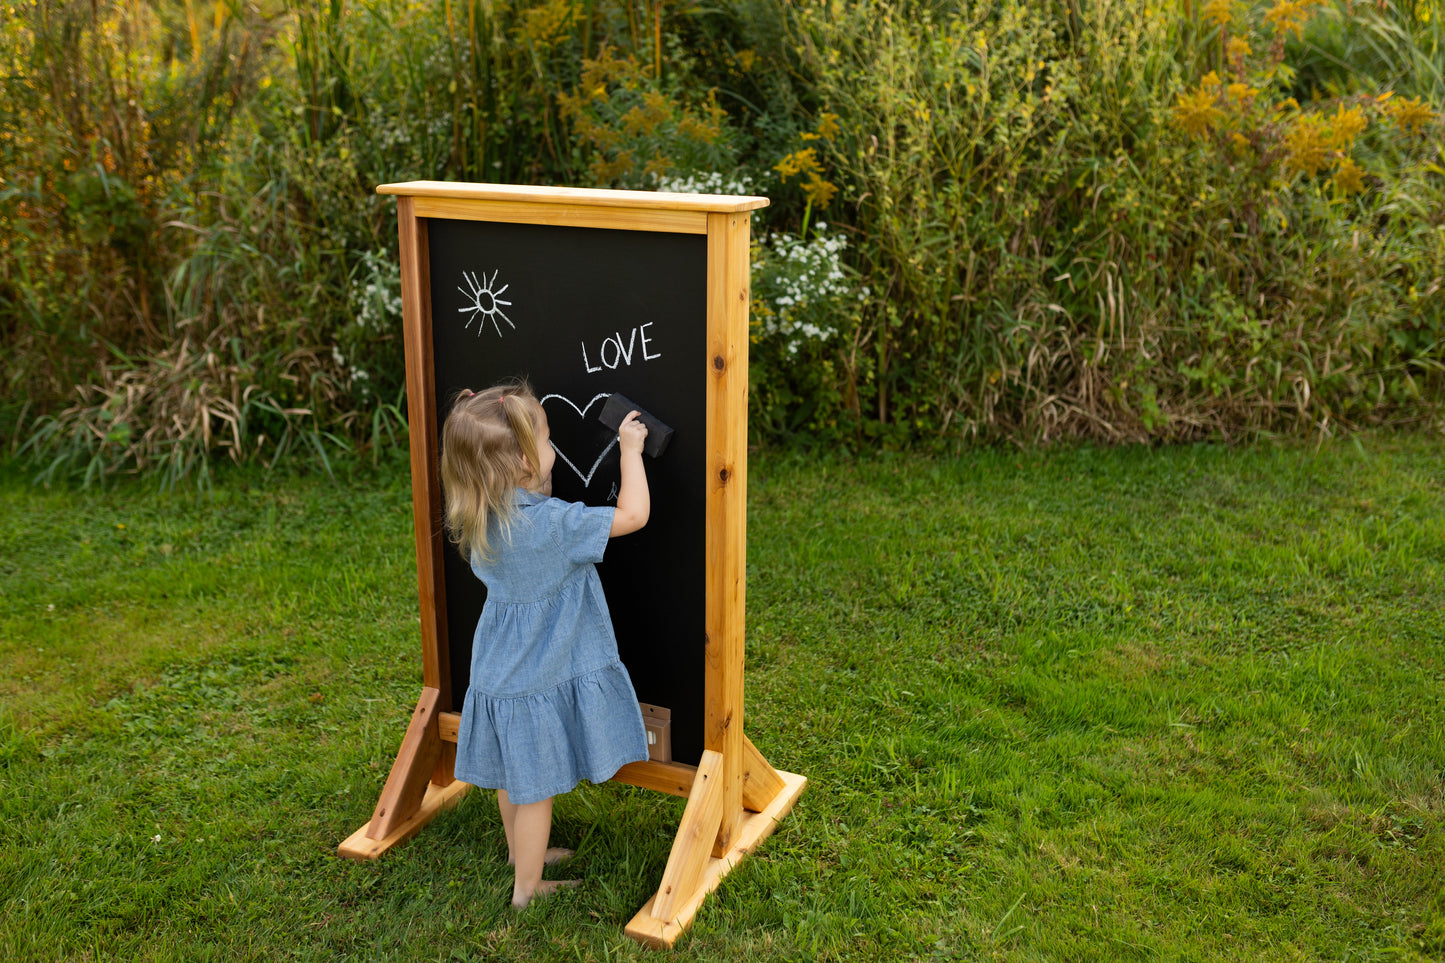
(1062, 705)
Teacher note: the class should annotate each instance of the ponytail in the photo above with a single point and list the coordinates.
(489, 448)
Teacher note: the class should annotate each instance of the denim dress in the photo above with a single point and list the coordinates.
(549, 703)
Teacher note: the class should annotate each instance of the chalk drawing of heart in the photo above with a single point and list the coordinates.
(582, 413)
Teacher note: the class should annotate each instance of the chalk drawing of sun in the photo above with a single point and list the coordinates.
(485, 302)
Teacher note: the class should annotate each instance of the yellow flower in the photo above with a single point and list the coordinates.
(658, 166)
(1218, 11)
(1242, 94)
(693, 129)
(1345, 126)
(1411, 115)
(1348, 178)
(1196, 113)
(828, 126)
(798, 162)
(549, 23)
(1289, 16)
(1306, 145)
(646, 117)
(819, 191)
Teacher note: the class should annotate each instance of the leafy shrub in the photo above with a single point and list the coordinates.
(113, 117)
(1053, 253)
(1003, 220)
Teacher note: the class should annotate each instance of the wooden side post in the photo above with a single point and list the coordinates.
(737, 798)
(407, 801)
(421, 419)
(727, 507)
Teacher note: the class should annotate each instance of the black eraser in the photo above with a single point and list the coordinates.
(617, 407)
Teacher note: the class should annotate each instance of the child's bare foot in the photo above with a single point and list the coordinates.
(553, 856)
(545, 888)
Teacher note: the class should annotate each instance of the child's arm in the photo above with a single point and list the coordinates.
(634, 502)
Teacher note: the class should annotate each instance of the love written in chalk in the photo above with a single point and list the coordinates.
(612, 352)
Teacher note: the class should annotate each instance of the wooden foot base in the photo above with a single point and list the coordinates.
(753, 829)
(437, 800)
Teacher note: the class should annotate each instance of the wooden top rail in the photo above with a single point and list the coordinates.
(526, 194)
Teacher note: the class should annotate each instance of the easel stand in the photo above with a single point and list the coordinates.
(735, 798)
(711, 840)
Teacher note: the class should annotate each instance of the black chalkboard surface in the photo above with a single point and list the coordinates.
(582, 313)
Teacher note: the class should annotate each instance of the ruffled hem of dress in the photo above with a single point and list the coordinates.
(542, 744)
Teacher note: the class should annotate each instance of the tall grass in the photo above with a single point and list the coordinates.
(1019, 239)
(1053, 257)
(1396, 45)
(229, 210)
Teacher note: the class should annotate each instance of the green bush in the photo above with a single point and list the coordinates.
(1053, 255)
(1004, 221)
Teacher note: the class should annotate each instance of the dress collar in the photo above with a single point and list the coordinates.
(525, 497)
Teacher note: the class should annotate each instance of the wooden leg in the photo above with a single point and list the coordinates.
(693, 846)
(420, 749)
(445, 771)
(731, 805)
(436, 801)
(656, 929)
(408, 800)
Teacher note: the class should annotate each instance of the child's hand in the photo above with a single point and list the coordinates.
(632, 433)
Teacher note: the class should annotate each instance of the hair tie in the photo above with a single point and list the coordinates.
(504, 399)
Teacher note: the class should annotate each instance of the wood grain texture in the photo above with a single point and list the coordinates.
(425, 473)
(673, 778)
(564, 215)
(438, 799)
(407, 783)
(693, 846)
(727, 401)
(662, 931)
(761, 782)
(577, 196)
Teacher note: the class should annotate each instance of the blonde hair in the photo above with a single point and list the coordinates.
(489, 447)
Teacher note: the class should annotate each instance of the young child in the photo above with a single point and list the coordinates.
(549, 703)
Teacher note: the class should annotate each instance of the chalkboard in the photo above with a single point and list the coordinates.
(587, 293)
(581, 313)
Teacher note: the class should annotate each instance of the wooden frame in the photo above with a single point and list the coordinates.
(735, 797)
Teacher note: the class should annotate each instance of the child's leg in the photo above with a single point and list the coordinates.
(531, 828)
(509, 822)
(554, 854)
